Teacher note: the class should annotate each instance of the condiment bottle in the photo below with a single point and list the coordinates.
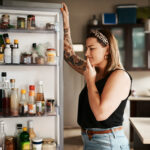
(34, 53)
(12, 83)
(40, 95)
(16, 53)
(2, 135)
(24, 140)
(7, 52)
(6, 99)
(31, 101)
(23, 107)
(32, 134)
(1, 55)
(2, 94)
(14, 102)
(17, 136)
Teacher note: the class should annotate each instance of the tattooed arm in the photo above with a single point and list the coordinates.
(70, 57)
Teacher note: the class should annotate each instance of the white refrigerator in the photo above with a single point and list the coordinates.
(28, 74)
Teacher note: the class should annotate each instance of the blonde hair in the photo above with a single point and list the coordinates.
(113, 59)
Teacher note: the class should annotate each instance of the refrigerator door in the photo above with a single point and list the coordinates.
(25, 75)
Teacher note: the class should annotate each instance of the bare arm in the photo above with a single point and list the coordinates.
(70, 57)
(116, 89)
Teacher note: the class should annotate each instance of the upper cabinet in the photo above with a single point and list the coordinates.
(133, 44)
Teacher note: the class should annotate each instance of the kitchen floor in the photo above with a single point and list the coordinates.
(72, 139)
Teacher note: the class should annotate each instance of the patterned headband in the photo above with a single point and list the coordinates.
(100, 36)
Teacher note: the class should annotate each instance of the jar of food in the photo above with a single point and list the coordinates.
(31, 22)
(20, 23)
(37, 143)
(40, 60)
(9, 143)
(48, 144)
(5, 21)
(50, 106)
(26, 58)
(51, 55)
(50, 26)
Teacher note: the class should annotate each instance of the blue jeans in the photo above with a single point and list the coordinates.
(109, 141)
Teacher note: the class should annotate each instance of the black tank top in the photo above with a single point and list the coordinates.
(86, 118)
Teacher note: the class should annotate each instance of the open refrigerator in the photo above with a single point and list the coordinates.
(27, 74)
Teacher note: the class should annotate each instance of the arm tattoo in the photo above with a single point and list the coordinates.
(70, 57)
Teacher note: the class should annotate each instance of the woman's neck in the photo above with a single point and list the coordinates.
(101, 70)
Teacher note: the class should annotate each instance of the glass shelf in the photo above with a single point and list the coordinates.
(45, 115)
(28, 64)
(28, 31)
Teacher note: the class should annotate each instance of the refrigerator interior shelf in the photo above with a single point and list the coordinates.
(29, 31)
(54, 64)
(45, 115)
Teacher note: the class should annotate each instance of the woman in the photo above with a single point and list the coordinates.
(102, 101)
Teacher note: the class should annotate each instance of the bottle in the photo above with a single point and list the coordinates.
(17, 135)
(40, 95)
(94, 21)
(31, 101)
(7, 52)
(24, 140)
(4, 77)
(9, 143)
(2, 136)
(6, 99)
(23, 107)
(34, 53)
(32, 134)
(12, 83)
(16, 53)
(1, 55)
(2, 84)
(14, 102)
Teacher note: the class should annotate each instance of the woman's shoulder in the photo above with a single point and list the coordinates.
(119, 74)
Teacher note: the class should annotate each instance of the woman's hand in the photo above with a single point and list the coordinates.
(65, 13)
(90, 73)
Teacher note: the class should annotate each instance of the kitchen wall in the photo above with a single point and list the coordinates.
(80, 13)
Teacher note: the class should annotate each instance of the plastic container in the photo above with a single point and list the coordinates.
(126, 14)
(37, 143)
(48, 144)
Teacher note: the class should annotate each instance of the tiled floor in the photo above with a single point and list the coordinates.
(72, 139)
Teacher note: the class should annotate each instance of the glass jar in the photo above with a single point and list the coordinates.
(48, 144)
(26, 58)
(31, 22)
(20, 23)
(51, 55)
(5, 21)
(9, 143)
(37, 144)
(50, 106)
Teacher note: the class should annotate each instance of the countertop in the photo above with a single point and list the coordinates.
(139, 98)
(142, 127)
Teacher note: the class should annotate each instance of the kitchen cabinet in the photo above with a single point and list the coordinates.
(26, 74)
(133, 44)
(139, 107)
